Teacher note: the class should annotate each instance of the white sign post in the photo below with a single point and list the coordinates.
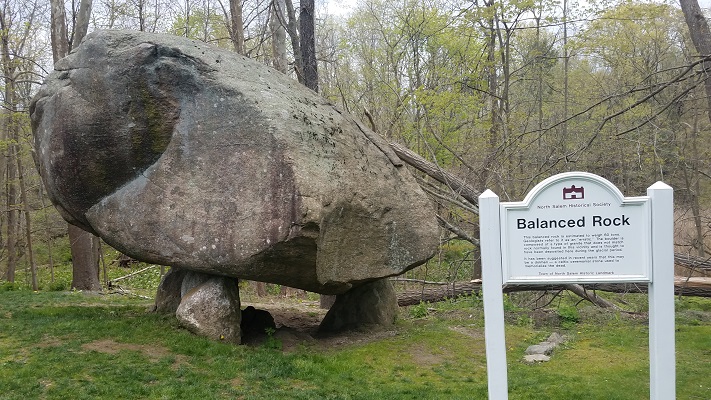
(577, 227)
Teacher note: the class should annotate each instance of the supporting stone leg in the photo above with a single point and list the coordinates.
(210, 307)
(372, 305)
(168, 294)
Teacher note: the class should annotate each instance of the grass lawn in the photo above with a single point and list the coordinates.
(60, 345)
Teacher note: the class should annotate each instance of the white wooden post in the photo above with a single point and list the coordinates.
(662, 363)
(495, 336)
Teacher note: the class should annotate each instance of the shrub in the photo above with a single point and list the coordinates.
(569, 316)
(420, 310)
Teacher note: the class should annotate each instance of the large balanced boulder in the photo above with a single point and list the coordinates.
(179, 153)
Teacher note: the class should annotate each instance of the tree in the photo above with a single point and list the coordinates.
(701, 38)
(84, 246)
(308, 44)
(207, 25)
(85, 259)
(18, 25)
(10, 134)
(237, 26)
(142, 15)
(295, 41)
(278, 31)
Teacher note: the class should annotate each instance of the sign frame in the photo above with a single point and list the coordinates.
(597, 196)
(662, 360)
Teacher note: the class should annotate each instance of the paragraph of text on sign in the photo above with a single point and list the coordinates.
(602, 250)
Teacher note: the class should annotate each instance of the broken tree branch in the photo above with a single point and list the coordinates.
(700, 287)
(111, 282)
(434, 171)
(457, 231)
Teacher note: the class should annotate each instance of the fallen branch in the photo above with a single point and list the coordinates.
(434, 171)
(457, 231)
(124, 292)
(692, 262)
(440, 292)
(589, 296)
(111, 282)
(398, 279)
(698, 287)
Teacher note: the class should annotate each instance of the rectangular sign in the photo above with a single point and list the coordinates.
(576, 228)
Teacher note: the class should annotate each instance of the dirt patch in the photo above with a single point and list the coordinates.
(180, 361)
(474, 333)
(50, 341)
(297, 326)
(108, 346)
(424, 357)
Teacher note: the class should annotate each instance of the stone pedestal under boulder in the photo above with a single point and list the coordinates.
(212, 309)
(367, 306)
(169, 294)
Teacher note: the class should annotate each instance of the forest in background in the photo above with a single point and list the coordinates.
(500, 94)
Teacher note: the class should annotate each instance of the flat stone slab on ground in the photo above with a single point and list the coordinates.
(541, 348)
(535, 358)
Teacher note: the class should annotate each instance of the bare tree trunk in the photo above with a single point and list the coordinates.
(566, 71)
(82, 25)
(294, 36)
(85, 259)
(539, 71)
(12, 211)
(5, 114)
(237, 30)
(50, 251)
(60, 39)
(308, 44)
(701, 37)
(493, 100)
(261, 289)
(28, 223)
(278, 35)
(11, 133)
(700, 287)
(141, 17)
(186, 26)
(8, 119)
(693, 187)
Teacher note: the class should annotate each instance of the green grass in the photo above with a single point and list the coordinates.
(57, 345)
(144, 283)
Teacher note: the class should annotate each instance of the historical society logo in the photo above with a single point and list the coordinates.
(573, 193)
